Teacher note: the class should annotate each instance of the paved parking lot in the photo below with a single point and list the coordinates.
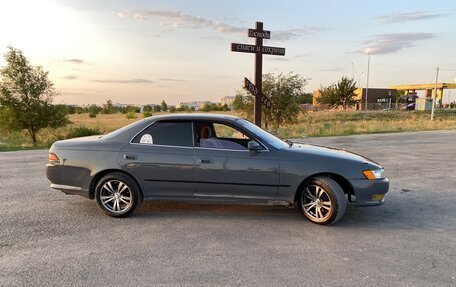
(48, 238)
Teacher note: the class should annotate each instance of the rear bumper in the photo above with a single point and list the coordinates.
(68, 189)
(69, 180)
(370, 192)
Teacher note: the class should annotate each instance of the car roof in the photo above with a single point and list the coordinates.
(192, 116)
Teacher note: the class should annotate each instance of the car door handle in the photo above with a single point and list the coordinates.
(130, 156)
(205, 160)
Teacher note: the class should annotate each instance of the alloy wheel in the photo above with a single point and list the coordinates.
(116, 196)
(316, 202)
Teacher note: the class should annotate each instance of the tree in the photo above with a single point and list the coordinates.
(305, 98)
(328, 96)
(182, 108)
(26, 96)
(164, 106)
(345, 92)
(340, 94)
(108, 108)
(93, 110)
(172, 109)
(238, 102)
(157, 108)
(79, 110)
(70, 109)
(147, 108)
(284, 92)
(133, 109)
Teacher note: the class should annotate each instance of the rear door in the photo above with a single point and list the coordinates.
(161, 157)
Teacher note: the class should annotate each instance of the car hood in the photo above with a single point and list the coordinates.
(329, 152)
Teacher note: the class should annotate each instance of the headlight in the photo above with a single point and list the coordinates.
(374, 174)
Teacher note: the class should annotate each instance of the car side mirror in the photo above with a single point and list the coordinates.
(253, 146)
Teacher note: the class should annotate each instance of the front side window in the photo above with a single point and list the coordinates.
(172, 133)
(220, 136)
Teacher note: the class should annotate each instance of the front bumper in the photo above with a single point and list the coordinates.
(370, 192)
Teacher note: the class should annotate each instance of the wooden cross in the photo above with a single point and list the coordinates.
(258, 49)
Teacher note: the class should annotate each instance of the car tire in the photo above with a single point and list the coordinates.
(117, 194)
(322, 200)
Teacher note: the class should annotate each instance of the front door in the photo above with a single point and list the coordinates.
(227, 170)
(162, 158)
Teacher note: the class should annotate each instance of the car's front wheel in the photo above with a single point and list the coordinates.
(322, 200)
(117, 194)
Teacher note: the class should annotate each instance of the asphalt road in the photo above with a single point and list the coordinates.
(48, 238)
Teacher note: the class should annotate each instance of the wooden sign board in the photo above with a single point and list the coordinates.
(259, 34)
(246, 48)
(249, 86)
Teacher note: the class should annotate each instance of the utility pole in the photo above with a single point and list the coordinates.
(435, 94)
(367, 80)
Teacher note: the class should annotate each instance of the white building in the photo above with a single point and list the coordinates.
(196, 104)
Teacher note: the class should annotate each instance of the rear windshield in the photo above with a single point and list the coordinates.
(118, 132)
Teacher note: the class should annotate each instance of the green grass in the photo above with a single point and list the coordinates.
(16, 148)
(342, 123)
(312, 124)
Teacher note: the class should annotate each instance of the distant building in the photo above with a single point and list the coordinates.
(228, 100)
(197, 105)
(427, 89)
(377, 98)
(119, 105)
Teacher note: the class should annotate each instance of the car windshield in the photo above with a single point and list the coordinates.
(264, 135)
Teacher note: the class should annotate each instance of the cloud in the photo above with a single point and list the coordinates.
(277, 59)
(132, 81)
(290, 34)
(396, 17)
(171, 80)
(302, 55)
(70, 77)
(391, 43)
(335, 69)
(179, 20)
(74, 61)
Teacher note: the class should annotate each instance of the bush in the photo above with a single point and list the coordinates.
(82, 132)
(131, 115)
(147, 114)
(92, 114)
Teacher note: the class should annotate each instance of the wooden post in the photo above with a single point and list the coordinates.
(256, 88)
(258, 76)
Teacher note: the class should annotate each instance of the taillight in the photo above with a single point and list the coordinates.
(53, 157)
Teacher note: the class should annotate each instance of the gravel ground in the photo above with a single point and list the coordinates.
(48, 238)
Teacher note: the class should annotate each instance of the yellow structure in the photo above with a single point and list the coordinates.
(429, 88)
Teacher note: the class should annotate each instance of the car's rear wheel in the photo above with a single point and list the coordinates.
(117, 194)
(322, 200)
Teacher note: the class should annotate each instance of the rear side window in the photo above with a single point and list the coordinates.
(170, 133)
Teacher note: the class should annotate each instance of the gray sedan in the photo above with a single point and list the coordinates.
(209, 158)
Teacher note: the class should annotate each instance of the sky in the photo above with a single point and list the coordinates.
(142, 52)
